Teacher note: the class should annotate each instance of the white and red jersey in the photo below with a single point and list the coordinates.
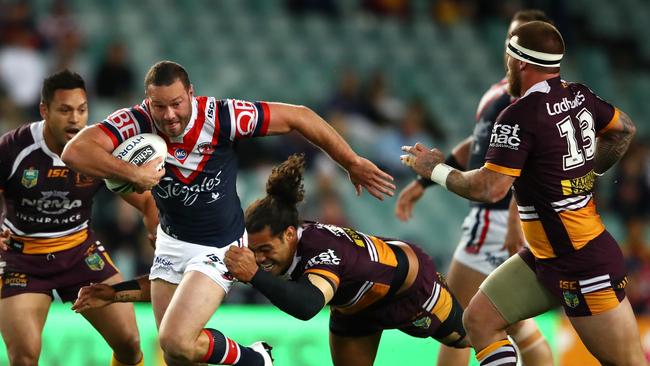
(197, 198)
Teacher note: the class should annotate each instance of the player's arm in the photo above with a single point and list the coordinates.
(313, 291)
(285, 118)
(145, 203)
(613, 141)
(481, 185)
(90, 153)
(412, 193)
(99, 295)
(5, 234)
(514, 239)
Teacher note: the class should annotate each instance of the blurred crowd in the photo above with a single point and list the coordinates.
(364, 107)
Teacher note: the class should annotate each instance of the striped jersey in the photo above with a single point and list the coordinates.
(48, 205)
(547, 139)
(361, 266)
(197, 198)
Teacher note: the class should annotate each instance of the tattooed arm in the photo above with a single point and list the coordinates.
(613, 143)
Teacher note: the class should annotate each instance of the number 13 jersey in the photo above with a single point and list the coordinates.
(547, 139)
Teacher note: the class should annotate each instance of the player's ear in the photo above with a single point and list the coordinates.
(42, 108)
(191, 91)
(522, 65)
(290, 233)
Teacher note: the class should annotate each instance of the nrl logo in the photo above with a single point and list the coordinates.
(30, 177)
(571, 299)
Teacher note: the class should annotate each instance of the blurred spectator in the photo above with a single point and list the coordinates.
(381, 106)
(115, 76)
(347, 96)
(22, 70)
(325, 7)
(390, 141)
(631, 197)
(395, 8)
(447, 12)
(631, 202)
(17, 21)
(58, 24)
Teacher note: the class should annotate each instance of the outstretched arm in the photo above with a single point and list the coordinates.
(412, 193)
(313, 291)
(363, 173)
(613, 143)
(481, 185)
(99, 295)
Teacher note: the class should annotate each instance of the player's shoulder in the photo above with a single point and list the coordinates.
(19, 137)
(316, 235)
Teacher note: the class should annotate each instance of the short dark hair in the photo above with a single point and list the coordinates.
(64, 79)
(530, 15)
(165, 73)
(542, 37)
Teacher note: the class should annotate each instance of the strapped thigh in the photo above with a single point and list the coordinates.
(515, 291)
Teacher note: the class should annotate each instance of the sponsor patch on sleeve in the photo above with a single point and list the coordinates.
(244, 118)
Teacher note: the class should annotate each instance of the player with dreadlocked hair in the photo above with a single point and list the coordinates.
(371, 283)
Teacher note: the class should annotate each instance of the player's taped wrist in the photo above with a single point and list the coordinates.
(284, 294)
(131, 285)
(440, 173)
(451, 161)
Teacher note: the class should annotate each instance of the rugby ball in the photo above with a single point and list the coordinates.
(137, 150)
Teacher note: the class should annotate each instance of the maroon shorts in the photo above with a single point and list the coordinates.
(65, 271)
(588, 281)
(412, 312)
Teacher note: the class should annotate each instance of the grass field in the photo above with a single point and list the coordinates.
(69, 340)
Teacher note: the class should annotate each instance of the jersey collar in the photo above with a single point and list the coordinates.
(542, 87)
(38, 129)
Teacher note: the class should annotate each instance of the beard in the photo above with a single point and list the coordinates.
(514, 83)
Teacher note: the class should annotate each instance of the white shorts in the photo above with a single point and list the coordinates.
(174, 257)
(481, 243)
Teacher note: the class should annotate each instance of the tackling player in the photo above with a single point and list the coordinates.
(200, 212)
(552, 144)
(46, 241)
(490, 233)
(370, 283)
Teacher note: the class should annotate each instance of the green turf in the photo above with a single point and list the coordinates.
(69, 340)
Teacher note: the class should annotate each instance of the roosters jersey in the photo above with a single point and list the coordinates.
(548, 140)
(362, 266)
(492, 103)
(197, 198)
(48, 205)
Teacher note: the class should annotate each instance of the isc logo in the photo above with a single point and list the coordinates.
(568, 285)
(505, 136)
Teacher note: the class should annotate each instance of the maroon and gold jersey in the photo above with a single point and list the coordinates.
(48, 205)
(361, 266)
(547, 139)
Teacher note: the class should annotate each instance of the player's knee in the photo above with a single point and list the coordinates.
(471, 319)
(23, 357)
(174, 347)
(127, 348)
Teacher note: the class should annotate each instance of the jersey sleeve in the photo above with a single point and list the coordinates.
(510, 142)
(322, 255)
(605, 114)
(125, 123)
(7, 157)
(243, 119)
